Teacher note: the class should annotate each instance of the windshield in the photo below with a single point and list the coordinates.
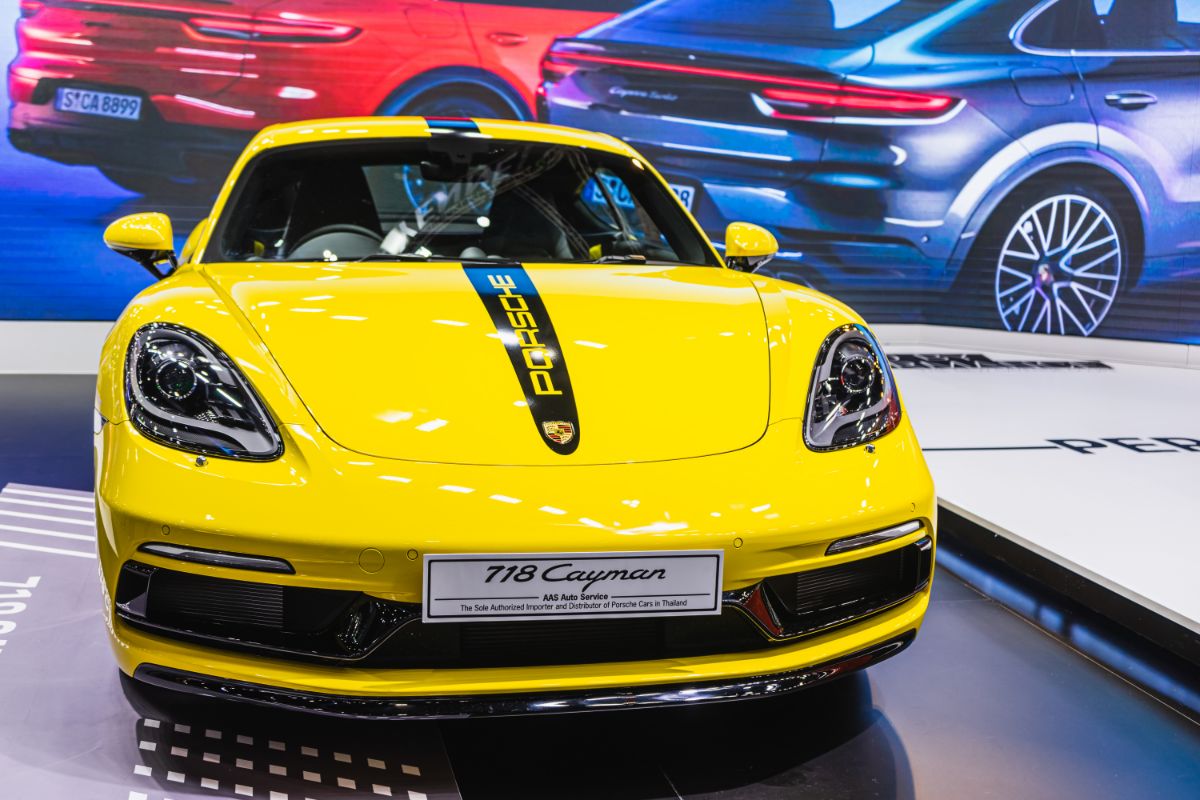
(454, 198)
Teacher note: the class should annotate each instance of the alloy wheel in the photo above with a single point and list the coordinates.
(1060, 267)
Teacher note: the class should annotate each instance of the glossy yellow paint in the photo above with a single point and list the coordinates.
(149, 232)
(691, 386)
(747, 240)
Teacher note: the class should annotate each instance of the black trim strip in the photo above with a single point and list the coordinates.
(528, 335)
(217, 558)
(988, 449)
(501, 705)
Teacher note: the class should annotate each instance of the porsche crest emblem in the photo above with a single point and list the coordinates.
(558, 431)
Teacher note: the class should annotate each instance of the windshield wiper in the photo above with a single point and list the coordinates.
(434, 257)
(619, 259)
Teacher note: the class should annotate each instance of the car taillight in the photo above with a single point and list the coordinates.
(554, 69)
(30, 8)
(284, 31)
(839, 100)
(782, 97)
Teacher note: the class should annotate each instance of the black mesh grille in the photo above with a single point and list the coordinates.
(352, 628)
(213, 601)
(820, 598)
(548, 642)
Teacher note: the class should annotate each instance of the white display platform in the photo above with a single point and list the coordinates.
(1095, 468)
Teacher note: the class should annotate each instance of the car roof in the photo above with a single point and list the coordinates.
(352, 128)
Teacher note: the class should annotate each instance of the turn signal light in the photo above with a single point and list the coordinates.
(273, 30)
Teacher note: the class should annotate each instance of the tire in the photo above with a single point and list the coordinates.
(1052, 259)
(159, 187)
(457, 100)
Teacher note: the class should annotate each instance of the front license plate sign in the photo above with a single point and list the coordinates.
(99, 104)
(483, 587)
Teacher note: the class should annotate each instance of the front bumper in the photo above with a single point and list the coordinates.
(450, 707)
(773, 508)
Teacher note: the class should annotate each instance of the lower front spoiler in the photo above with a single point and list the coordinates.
(501, 705)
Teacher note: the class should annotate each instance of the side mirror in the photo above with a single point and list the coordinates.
(146, 238)
(748, 247)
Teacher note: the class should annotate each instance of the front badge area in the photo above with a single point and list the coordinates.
(482, 587)
(528, 335)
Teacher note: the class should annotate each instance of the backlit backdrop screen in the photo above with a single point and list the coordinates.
(1012, 164)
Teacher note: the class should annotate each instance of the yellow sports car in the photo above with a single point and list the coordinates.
(443, 417)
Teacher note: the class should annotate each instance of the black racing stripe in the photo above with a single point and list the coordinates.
(528, 335)
(451, 125)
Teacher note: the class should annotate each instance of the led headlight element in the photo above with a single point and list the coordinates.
(181, 390)
(853, 398)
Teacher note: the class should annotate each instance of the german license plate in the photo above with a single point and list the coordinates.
(687, 194)
(479, 587)
(98, 104)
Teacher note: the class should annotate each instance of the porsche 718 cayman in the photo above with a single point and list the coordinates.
(443, 417)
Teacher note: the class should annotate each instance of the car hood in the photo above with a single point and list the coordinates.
(422, 361)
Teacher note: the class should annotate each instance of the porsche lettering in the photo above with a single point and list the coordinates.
(538, 360)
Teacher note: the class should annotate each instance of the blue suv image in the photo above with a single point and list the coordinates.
(922, 159)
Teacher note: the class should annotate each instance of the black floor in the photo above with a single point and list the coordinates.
(983, 705)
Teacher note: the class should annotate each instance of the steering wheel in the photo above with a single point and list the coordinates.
(342, 230)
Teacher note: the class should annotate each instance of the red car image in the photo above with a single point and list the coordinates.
(162, 94)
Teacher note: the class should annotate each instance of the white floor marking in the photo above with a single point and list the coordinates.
(209, 783)
(343, 757)
(409, 769)
(142, 769)
(79, 537)
(212, 758)
(4, 498)
(376, 763)
(416, 795)
(182, 728)
(309, 751)
(179, 751)
(243, 763)
(137, 796)
(386, 791)
(151, 723)
(243, 790)
(243, 739)
(151, 746)
(87, 500)
(276, 745)
(314, 777)
(175, 777)
(347, 783)
(278, 796)
(87, 523)
(55, 550)
(211, 734)
(277, 769)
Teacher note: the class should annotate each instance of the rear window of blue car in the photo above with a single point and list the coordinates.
(842, 24)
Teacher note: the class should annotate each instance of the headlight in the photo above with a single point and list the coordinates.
(184, 392)
(853, 397)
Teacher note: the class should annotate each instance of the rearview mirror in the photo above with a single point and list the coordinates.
(748, 247)
(146, 238)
